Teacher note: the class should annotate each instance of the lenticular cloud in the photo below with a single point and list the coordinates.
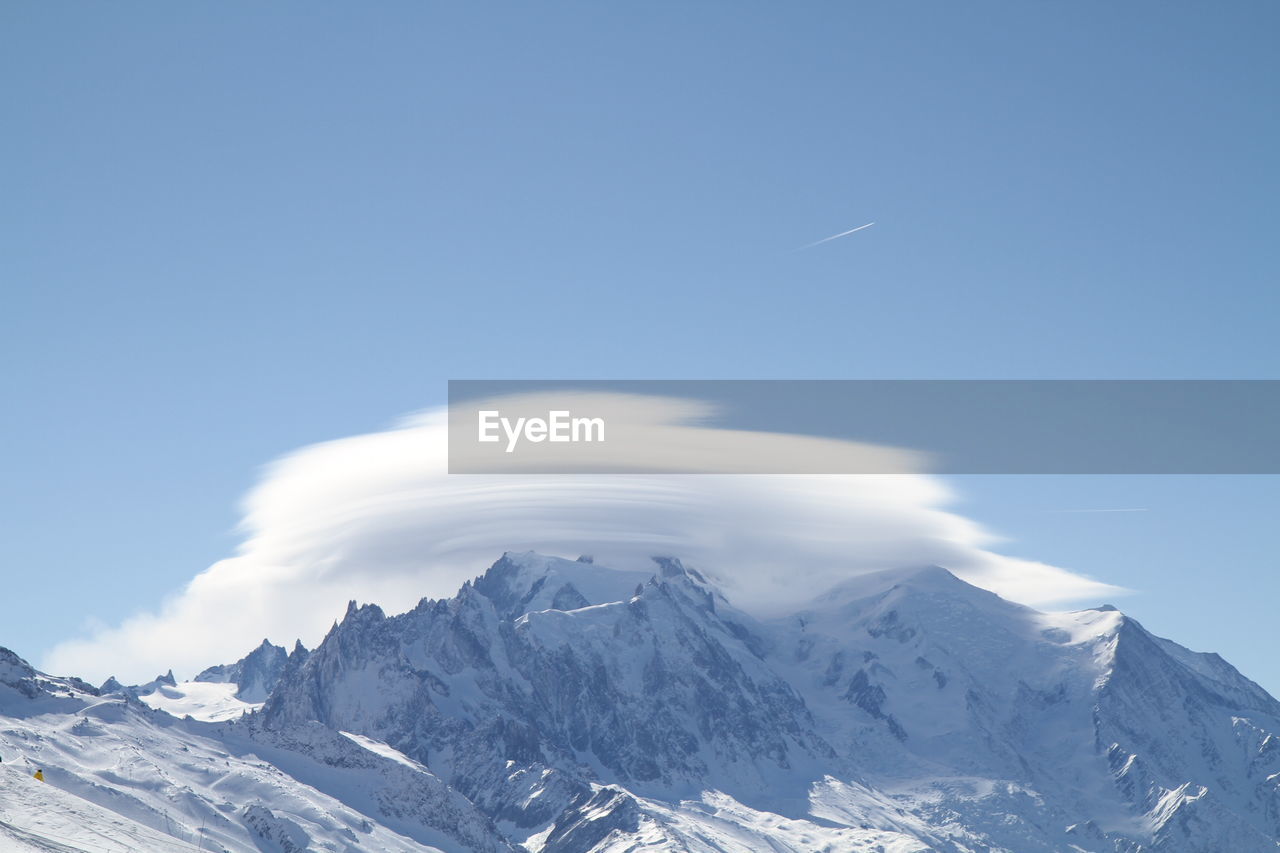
(376, 518)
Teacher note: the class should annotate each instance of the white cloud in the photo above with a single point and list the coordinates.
(376, 518)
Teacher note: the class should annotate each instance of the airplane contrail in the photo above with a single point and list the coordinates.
(835, 237)
(1125, 509)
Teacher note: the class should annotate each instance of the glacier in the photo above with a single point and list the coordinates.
(561, 706)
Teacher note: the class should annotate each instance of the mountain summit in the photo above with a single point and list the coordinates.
(562, 706)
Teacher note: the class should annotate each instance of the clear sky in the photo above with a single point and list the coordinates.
(229, 230)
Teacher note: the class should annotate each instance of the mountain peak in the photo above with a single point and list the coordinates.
(525, 582)
(932, 574)
(13, 666)
(923, 579)
(670, 566)
(255, 674)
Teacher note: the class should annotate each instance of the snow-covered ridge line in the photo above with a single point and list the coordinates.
(561, 706)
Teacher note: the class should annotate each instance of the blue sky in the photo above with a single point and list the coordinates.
(230, 231)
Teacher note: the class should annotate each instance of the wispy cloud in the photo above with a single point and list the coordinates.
(835, 237)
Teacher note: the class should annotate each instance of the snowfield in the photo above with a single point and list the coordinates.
(199, 700)
(555, 706)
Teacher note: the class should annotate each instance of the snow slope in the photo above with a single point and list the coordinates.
(121, 776)
(210, 702)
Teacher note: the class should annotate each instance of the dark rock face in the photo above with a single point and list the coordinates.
(590, 820)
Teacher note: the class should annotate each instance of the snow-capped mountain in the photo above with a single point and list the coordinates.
(255, 674)
(558, 706)
(222, 692)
